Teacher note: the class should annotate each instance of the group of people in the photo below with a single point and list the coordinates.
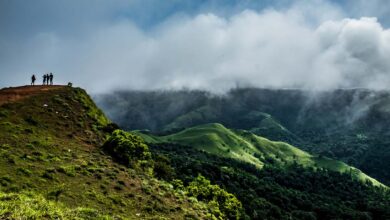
(47, 78)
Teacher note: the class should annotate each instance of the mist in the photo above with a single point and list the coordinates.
(301, 45)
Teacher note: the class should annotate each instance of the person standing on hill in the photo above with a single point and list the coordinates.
(51, 78)
(33, 80)
(44, 79)
(47, 79)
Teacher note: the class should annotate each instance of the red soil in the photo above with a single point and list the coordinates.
(13, 94)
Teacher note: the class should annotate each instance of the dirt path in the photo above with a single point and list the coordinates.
(13, 94)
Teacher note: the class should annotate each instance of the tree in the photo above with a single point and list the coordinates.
(222, 204)
(129, 149)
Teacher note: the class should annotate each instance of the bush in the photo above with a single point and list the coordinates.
(3, 113)
(24, 171)
(56, 193)
(128, 149)
(68, 170)
(110, 127)
(30, 120)
(222, 204)
(162, 168)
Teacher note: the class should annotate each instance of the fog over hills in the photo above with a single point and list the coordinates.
(351, 125)
(209, 45)
(195, 109)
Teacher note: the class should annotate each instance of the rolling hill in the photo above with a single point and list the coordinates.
(248, 147)
(277, 182)
(60, 157)
(350, 125)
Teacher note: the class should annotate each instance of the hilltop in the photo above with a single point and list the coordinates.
(12, 94)
(52, 164)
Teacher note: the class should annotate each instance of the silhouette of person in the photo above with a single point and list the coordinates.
(33, 80)
(47, 79)
(51, 78)
(44, 79)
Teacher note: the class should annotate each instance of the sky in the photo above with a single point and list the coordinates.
(215, 45)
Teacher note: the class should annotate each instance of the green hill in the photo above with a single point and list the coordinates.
(255, 121)
(61, 158)
(350, 125)
(52, 165)
(248, 147)
(273, 180)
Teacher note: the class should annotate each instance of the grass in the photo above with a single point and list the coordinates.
(213, 138)
(202, 114)
(29, 205)
(245, 146)
(344, 168)
(52, 165)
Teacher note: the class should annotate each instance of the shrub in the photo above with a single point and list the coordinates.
(3, 113)
(29, 145)
(28, 131)
(5, 146)
(30, 120)
(222, 204)
(162, 168)
(24, 171)
(56, 193)
(68, 170)
(110, 127)
(128, 149)
(48, 174)
(5, 181)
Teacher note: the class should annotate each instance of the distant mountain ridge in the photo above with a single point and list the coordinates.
(349, 125)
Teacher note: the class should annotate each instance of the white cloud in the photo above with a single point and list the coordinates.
(290, 48)
(357, 51)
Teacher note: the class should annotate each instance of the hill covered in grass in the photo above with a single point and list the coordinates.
(250, 148)
(273, 180)
(53, 165)
(60, 157)
(347, 125)
(280, 192)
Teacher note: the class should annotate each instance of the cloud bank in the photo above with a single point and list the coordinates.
(294, 48)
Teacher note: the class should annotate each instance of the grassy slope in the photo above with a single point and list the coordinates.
(248, 147)
(29, 205)
(49, 156)
(256, 122)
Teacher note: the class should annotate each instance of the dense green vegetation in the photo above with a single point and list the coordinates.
(248, 147)
(222, 204)
(53, 165)
(129, 150)
(275, 192)
(61, 158)
(348, 125)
